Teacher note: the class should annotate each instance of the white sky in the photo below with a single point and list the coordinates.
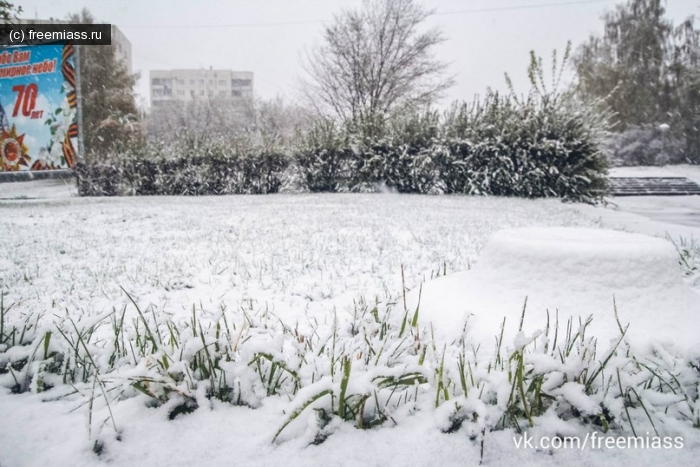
(485, 37)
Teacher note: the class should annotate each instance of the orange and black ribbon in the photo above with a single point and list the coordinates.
(68, 72)
(38, 165)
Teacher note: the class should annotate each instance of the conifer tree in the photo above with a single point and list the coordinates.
(108, 104)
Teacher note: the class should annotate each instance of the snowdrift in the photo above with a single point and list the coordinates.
(566, 273)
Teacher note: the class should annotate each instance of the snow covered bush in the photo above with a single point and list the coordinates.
(646, 145)
(171, 170)
(535, 147)
(398, 153)
(322, 157)
(545, 144)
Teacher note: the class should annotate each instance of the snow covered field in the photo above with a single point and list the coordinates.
(268, 284)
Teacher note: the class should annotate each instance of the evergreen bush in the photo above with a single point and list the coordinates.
(505, 146)
(156, 170)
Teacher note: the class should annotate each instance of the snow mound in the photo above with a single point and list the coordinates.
(574, 272)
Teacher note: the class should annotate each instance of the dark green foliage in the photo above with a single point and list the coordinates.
(107, 95)
(323, 157)
(213, 170)
(402, 157)
(9, 11)
(187, 406)
(95, 179)
(503, 146)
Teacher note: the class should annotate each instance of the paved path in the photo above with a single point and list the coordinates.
(38, 189)
(653, 186)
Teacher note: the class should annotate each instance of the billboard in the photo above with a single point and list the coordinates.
(38, 107)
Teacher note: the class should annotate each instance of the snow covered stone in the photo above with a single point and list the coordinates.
(574, 272)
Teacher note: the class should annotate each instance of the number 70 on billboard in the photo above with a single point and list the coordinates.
(38, 107)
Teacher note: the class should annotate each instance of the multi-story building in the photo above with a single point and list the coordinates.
(122, 47)
(188, 85)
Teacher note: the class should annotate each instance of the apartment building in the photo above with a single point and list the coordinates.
(187, 85)
(122, 47)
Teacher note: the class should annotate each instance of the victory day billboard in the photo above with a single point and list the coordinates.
(38, 107)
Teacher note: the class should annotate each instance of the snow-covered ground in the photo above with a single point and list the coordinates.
(612, 276)
(307, 259)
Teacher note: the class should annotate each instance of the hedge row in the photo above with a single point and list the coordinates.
(214, 171)
(501, 146)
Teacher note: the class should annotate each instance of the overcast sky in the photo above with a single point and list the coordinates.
(485, 38)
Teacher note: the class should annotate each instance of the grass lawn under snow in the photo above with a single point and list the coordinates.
(253, 311)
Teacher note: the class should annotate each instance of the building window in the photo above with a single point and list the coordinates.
(191, 82)
(156, 81)
(201, 82)
(241, 82)
(191, 93)
(181, 82)
(180, 92)
(236, 93)
(222, 82)
(201, 93)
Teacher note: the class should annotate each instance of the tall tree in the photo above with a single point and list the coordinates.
(645, 69)
(685, 71)
(8, 15)
(108, 104)
(627, 62)
(375, 59)
(9, 11)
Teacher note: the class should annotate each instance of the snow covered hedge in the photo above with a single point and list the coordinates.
(156, 170)
(532, 147)
(502, 146)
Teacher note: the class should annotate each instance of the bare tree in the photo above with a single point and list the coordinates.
(198, 122)
(375, 59)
